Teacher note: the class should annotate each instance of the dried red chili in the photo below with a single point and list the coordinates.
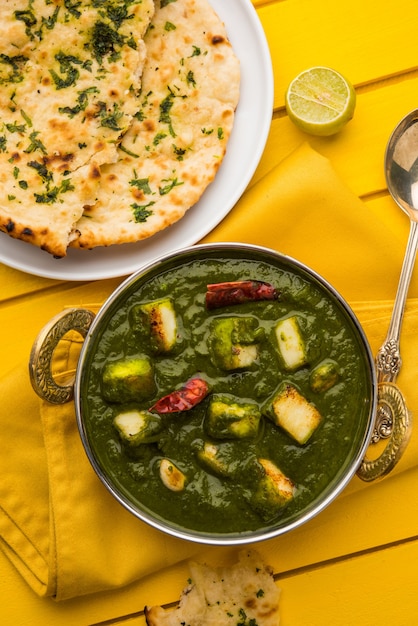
(224, 294)
(184, 398)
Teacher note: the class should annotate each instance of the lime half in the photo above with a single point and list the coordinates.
(320, 101)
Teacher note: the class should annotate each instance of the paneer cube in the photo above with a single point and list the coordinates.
(233, 342)
(128, 379)
(136, 427)
(229, 417)
(159, 321)
(210, 457)
(324, 376)
(273, 492)
(171, 476)
(294, 413)
(290, 343)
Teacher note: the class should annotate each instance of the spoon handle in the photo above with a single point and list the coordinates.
(388, 360)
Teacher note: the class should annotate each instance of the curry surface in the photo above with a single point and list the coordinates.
(210, 504)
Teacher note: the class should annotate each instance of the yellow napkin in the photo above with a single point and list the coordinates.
(58, 525)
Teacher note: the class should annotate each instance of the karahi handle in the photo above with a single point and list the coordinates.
(394, 423)
(41, 357)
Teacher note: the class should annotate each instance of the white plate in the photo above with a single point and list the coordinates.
(245, 147)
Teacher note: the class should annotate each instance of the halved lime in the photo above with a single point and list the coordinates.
(320, 101)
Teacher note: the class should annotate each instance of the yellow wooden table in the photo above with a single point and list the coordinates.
(357, 562)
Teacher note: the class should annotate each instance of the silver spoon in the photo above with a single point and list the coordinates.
(393, 418)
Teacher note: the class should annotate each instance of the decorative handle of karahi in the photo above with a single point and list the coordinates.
(40, 362)
(394, 423)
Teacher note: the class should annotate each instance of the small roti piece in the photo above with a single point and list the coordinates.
(178, 139)
(242, 594)
(70, 74)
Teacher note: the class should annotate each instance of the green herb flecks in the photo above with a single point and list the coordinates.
(128, 152)
(105, 42)
(34, 29)
(16, 128)
(141, 212)
(172, 182)
(179, 152)
(116, 12)
(158, 138)
(196, 52)
(82, 102)
(26, 118)
(15, 67)
(110, 118)
(169, 26)
(28, 17)
(3, 143)
(220, 133)
(35, 144)
(52, 192)
(49, 22)
(140, 183)
(165, 109)
(73, 6)
(43, 172)
(69, 73)
(165, 3)
(243, 619)
(190, 79)
(139, 115)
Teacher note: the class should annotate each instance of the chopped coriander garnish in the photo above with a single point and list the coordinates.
(179, 152)
(140, 183)
(35, 144)
(165, 108)
(172, 182)
(141, 212)
(190, 79)
(128, 152)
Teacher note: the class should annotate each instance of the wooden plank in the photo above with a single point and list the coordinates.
(373, 588)
(361, 41)
(357, 152)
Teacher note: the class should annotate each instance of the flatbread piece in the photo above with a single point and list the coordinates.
(70, 73)
(178, 138)
(242, 594)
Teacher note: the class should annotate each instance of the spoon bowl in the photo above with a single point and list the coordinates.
(401, 164)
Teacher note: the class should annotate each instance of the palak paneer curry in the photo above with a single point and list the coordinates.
(226, 394)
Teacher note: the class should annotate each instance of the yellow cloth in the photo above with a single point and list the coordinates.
(58, 525)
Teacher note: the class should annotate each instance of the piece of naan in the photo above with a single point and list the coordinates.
(178, 138)
(70, 74)
(244, 593)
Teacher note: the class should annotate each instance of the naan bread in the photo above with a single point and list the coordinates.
(178, 138)
(70, 75)
(242, 594)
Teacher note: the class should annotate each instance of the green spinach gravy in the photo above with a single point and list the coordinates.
(225, 497)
